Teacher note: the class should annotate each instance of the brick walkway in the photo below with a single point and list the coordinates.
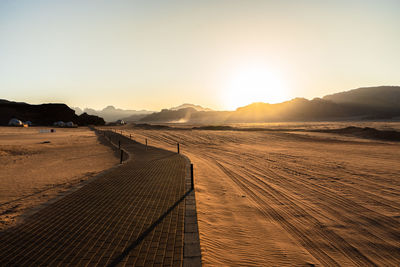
(131, 215)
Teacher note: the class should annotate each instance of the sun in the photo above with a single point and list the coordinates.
(254, 84)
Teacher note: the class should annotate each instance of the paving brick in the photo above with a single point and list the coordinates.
(191, 228)
(119, 217)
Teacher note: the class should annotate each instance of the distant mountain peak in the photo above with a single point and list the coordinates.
(188, 105)
(111, 113)
(109, 108)
(378, 96)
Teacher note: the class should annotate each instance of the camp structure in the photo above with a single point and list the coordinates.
(59, 124)
(15, 122)
(70, 124)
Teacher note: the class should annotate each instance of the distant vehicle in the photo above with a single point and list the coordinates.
(15, 122)
(120, 122)
(29, 123)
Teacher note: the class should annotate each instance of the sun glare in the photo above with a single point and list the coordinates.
(254, 84)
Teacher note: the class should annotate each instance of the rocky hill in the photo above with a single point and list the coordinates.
(44, 114)
(379, 98)
(171, 116)
(196, 107)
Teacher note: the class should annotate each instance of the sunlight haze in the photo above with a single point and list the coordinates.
(218, 54)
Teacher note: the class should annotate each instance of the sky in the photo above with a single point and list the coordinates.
(219, 54)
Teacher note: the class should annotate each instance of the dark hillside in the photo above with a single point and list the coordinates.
(44, 114)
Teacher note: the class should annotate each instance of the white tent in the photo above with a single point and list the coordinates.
(15, 122)
(59, 124)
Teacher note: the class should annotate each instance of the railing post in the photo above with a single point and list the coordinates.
(191, 176)
(146, 144)
(177, 147)
(119, 144)
(122, 154)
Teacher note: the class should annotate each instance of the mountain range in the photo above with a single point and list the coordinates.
(382, 102)
(381, 97)
(111, 114)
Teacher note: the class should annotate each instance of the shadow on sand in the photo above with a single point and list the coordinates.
(143, 235)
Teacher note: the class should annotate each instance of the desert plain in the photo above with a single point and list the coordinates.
(37, 166)
(292, 198)
(273, 197)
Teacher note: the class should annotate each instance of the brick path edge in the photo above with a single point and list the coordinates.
(191, 242)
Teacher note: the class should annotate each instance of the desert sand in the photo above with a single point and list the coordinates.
(37, 166)
(271, 198)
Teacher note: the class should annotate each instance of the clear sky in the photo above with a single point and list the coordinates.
(219, 54)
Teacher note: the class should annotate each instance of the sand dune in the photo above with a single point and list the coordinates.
(36, 167)
(280, 198)
(367, 133)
